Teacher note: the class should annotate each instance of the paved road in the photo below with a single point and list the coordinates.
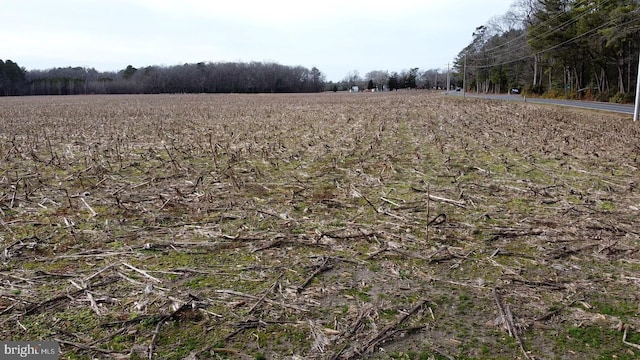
(620, 108)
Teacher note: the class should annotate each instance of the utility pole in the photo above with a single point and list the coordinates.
(464, 77)
(637, 105)
(448, 79)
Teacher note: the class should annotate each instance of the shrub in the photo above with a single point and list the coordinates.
(620, 98)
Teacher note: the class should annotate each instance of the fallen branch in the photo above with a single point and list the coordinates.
(460, 204)
(300, 241)
(147, 318)
(275, 283)
(92, 254)
(99, 272)
(194, 244)
(229, 351)
(536, 284)
(7, 309)
(325, 266)
(383, 335)
(551, 313)
(364, 312)
(505, 315)
(624, 338)
(188, 305)
(269, 245)
(41, 274)
(407, 253)
(359, 194)
(251, 324)
(146, 274)
(507, 321)
(4, 224)
(46, 303)
(94, 304)
(249, 296)
(449, 256)
(389, 201)
(397, 251)
(87, 347)
(93, 212)
(340, 258)
(462, 259)
(110, 337)
(512, 233)
(335, 235)
(154, 338)
(564, 251)
(390, 330)
(378, 252)
(502, 252)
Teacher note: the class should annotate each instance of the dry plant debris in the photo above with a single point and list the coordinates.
(400, 225)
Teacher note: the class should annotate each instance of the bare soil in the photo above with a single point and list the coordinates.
(405, 225)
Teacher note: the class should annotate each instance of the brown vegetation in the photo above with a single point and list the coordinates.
(329, 226)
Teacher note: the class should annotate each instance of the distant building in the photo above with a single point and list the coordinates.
(354, 88)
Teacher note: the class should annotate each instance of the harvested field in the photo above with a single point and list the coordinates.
(330, 226)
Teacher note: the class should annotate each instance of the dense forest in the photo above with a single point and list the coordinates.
(561, 48)
(228, 77)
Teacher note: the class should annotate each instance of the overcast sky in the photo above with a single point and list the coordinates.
(337, 36)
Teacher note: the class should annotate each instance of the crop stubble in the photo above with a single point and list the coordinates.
(333, 226)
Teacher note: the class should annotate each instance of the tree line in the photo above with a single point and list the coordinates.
(383, 80)
(12, 78)
(220, 77)
(586, 49)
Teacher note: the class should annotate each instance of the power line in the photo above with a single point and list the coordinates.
(543, 24)
(558, 45)
(524, 46)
